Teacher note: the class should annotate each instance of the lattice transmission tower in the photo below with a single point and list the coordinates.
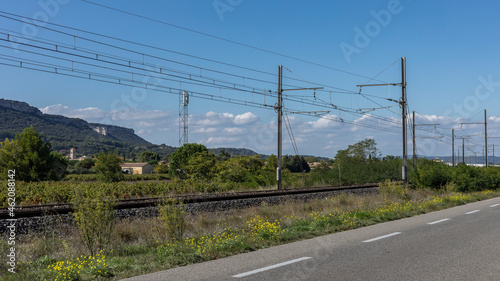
(183, 117)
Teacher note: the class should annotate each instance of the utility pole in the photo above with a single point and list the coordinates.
(453, 147)
(485, 139)
(485, 136)
(414, 149)
(183, 117)
(279, 109)
(494, 149)
(414, 136)
(403, 104)
(463, 151)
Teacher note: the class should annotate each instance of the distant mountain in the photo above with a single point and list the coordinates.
(248, 152)
(234, 151)
(469, 159)
(87, 138)
(65, 133)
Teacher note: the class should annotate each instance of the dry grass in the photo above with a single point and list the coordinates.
(134, 238)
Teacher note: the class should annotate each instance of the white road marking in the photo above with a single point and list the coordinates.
(495, 205)
(270, 267)
(434, 222)
(381, 237)
(472, 212)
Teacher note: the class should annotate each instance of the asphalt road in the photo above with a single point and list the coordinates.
(461, 243)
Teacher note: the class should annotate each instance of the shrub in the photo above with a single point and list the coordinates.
(200, 166)
(391, 190)
(469, 178)
(31, 157)
(94, 217)
(161, 169)
(108, 167)
(181, 156)
(263, 229)
(173, 217)
(86, 163)
(431, 174)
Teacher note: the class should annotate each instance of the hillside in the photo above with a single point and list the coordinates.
(234, 151)
(87, 138)
(65, 133)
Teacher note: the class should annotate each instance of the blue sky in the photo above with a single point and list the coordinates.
(451, 49)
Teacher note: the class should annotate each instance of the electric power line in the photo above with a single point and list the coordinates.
(226, 40)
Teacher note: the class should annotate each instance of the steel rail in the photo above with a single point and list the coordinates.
(65, 208)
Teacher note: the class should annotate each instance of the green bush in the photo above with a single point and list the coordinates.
(251, 171)
(94, 217)
(391, 190)
(431, 174)
(173, 216)
(31, 158)
(462, 178)
(181, 156)
(468, 178)
(108, 167)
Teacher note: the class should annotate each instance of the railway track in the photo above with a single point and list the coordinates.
(49, 209)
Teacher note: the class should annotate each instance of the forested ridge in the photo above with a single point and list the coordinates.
(64, 133)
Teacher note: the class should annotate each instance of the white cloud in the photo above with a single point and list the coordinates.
(441, 120)
(220, 140)
(146, 123)
(322, 136)
(212, 118)
(494, 119)
(234, 130)
(209, 130)
(94, 114)
(245, 118)
(325, 122)
(137, 114)
(89, 113)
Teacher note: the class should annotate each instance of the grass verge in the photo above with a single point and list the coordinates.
(140, 246)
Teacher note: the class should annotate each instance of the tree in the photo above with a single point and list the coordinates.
(108, 167)
(295, 164)
(365, 149)
(360, 163)
(149, 157)
(181, 156)
(311, 159)
(358, 152)
(435, 175)
(245, 169)
(223, 155)
(272, 162)
(58, 166)
(200, 165)
(167, 158)
(86, 163)
(161, 169)
(31, 157)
